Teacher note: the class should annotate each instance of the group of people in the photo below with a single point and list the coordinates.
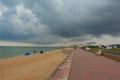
(28, 53)
(36, 52)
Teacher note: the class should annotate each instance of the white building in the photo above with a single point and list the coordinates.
(91, 44)
(113, 46)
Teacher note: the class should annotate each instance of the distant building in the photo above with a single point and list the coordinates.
(91, 44)
(80, 45)
(113, 46)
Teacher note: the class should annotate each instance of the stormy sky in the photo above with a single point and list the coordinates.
(59, 21)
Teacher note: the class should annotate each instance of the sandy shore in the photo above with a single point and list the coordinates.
(33, 67)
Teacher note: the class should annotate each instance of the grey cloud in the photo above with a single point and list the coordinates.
(79, 17)
(11, 3)
(67, 18)
(11, 30)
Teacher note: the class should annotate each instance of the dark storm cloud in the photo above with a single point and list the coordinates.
(78, 17)
(98, 21)
(62, 18)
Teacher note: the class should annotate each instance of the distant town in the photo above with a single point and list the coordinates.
(94, 45)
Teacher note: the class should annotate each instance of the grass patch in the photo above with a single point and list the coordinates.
(111, 56)
(115, 49)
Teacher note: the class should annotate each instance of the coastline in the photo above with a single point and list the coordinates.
(8, 51)
(33, 67)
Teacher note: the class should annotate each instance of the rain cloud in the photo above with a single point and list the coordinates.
(50, 21)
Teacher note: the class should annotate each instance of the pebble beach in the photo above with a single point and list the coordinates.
(33, 67)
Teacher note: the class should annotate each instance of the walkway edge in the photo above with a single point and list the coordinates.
(62, 72)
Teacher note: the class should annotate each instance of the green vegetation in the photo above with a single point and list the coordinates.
(93, 49)
(115, 49)
(93, 46)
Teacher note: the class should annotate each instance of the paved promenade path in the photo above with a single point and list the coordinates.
(87, 66)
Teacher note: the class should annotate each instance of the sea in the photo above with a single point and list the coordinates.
(9, 51)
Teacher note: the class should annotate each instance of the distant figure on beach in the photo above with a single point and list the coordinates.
(41, 52)
(34, 51)
(62, 51)
(11, 56)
